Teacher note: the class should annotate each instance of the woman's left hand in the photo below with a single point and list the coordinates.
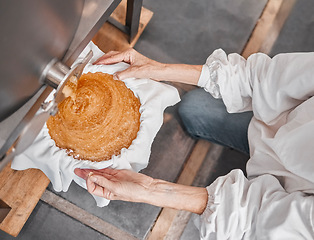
(144, 67)
(140, 66)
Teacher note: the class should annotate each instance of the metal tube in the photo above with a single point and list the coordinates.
(55, 74)
(133, 14)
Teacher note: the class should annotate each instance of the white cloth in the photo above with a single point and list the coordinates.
(59, 167)
(276, 201)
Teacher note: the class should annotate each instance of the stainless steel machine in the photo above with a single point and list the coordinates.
(39, 41)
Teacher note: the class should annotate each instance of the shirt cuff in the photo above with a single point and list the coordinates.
(205, 75)
(206, 221)
(209, 77)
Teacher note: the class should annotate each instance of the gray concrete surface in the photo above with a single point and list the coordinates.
(180, 31)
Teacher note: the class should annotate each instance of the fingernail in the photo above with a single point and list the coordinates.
(93, 178)
(115, 77)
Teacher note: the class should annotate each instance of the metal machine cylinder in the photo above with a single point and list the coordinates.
(39, 41)
(34, 33)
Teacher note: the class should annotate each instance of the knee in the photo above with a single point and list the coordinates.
(185, 108)
(188, 107)
(201, 113)
(186, 113)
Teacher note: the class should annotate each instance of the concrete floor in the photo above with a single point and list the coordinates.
(179, 32)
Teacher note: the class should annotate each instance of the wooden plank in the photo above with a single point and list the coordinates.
(20, 190)
(268, 26)
(178, 225)
(277, 25)
(194, 162)
(85, 217)
(182, 218)
(186, 177)
(110, 38)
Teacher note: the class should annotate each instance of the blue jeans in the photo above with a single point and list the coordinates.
(206, 117)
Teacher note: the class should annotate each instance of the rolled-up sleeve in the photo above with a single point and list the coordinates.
(268, 86)
(239, 208)
(226, 76)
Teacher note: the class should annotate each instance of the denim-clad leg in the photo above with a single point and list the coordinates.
(206, 117)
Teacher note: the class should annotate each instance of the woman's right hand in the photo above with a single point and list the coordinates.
(115, 184)
(140, 66)
(128, 185)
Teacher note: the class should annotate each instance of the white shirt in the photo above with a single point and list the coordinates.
(276, 201)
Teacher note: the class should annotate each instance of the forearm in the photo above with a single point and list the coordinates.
(182, 73)
(176, 196)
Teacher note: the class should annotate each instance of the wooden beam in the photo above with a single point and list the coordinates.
(274, 31)
(268, 27)
(20, 191)
(85, 217)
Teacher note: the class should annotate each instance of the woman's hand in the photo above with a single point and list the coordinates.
(114, 184)
(143, 67)
(130, 186)
(140, 66)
